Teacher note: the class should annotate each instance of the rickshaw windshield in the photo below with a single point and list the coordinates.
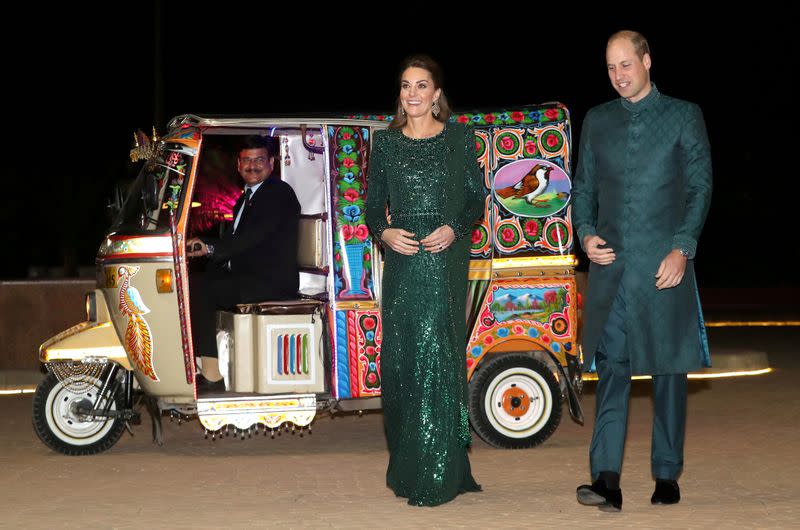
(157, 191)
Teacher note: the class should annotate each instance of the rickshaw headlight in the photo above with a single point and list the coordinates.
(164, 280)
(91, 307)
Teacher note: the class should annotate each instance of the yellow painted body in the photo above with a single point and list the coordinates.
(87, 340)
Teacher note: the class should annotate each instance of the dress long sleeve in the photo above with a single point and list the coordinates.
(474, 194)
(377, 190)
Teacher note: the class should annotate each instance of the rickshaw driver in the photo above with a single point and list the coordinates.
(255, 260)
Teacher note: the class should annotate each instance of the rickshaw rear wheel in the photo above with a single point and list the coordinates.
(58, 421)
(515, 401)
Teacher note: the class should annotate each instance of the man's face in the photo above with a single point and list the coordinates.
(255, 165)
(629, 75)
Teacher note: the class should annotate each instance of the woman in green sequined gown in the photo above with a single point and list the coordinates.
(427, 173)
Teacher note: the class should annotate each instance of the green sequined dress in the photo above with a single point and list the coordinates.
(427, 183)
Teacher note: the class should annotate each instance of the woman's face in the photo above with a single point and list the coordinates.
(417, 92)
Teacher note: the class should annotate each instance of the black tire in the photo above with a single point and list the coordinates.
(515, 401)
(60, 428)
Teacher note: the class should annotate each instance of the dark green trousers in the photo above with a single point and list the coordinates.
(613, 392)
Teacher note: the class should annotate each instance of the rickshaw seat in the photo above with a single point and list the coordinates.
(280, 307)
(273, 346)
(311, 244)
(310, 258)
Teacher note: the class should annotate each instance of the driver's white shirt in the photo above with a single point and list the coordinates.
(254, 187)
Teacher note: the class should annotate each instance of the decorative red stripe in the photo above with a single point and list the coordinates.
(286, 354)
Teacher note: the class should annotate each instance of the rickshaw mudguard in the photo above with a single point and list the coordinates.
(575, 409)
(89, 340)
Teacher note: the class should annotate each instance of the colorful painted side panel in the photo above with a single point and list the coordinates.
(365, 353)
(341, 360)
(531, 188)
(525, 157)
(539, 311)
(358, 354)
(352, 243)
(481, 246)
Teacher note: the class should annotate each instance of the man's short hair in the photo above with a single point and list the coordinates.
(640, 44)
(259, 142)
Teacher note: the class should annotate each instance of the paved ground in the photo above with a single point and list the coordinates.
(742, 459)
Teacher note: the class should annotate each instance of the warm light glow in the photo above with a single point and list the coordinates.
(730, 374)
(534, 261)
(164, 280)
(741, 373)
(17, 391)
(196, 204)
(57, 354)
(136, 245)
(754, 323)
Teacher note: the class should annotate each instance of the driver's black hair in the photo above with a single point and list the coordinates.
(259, 142)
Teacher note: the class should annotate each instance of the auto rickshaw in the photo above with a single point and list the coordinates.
(283, 362)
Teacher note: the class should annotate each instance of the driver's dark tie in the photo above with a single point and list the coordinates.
(247, 194)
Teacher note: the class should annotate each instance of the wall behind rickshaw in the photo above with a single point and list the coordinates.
(34, 311)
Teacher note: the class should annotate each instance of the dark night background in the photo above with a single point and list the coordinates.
(82, 81)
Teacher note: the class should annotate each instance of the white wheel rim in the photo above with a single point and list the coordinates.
(66, 424)
(532, 393)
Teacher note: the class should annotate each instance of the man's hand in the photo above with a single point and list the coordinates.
(670, 272)
(439, 239)
(601, 256)
(401, 241)
(196, 248)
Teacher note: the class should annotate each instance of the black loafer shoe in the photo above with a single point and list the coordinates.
(598, 494)
(667, 492)
(204, 386)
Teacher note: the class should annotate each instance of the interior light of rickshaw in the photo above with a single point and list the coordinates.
(196, 204)
(164, 280)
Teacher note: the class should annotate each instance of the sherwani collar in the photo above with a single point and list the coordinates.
(646, 102)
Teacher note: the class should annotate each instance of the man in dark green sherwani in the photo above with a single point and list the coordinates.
(641, 196)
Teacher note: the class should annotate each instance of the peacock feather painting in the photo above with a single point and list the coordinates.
(138, 339)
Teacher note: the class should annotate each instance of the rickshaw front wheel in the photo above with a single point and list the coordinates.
(515, 401)
(60, 422)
